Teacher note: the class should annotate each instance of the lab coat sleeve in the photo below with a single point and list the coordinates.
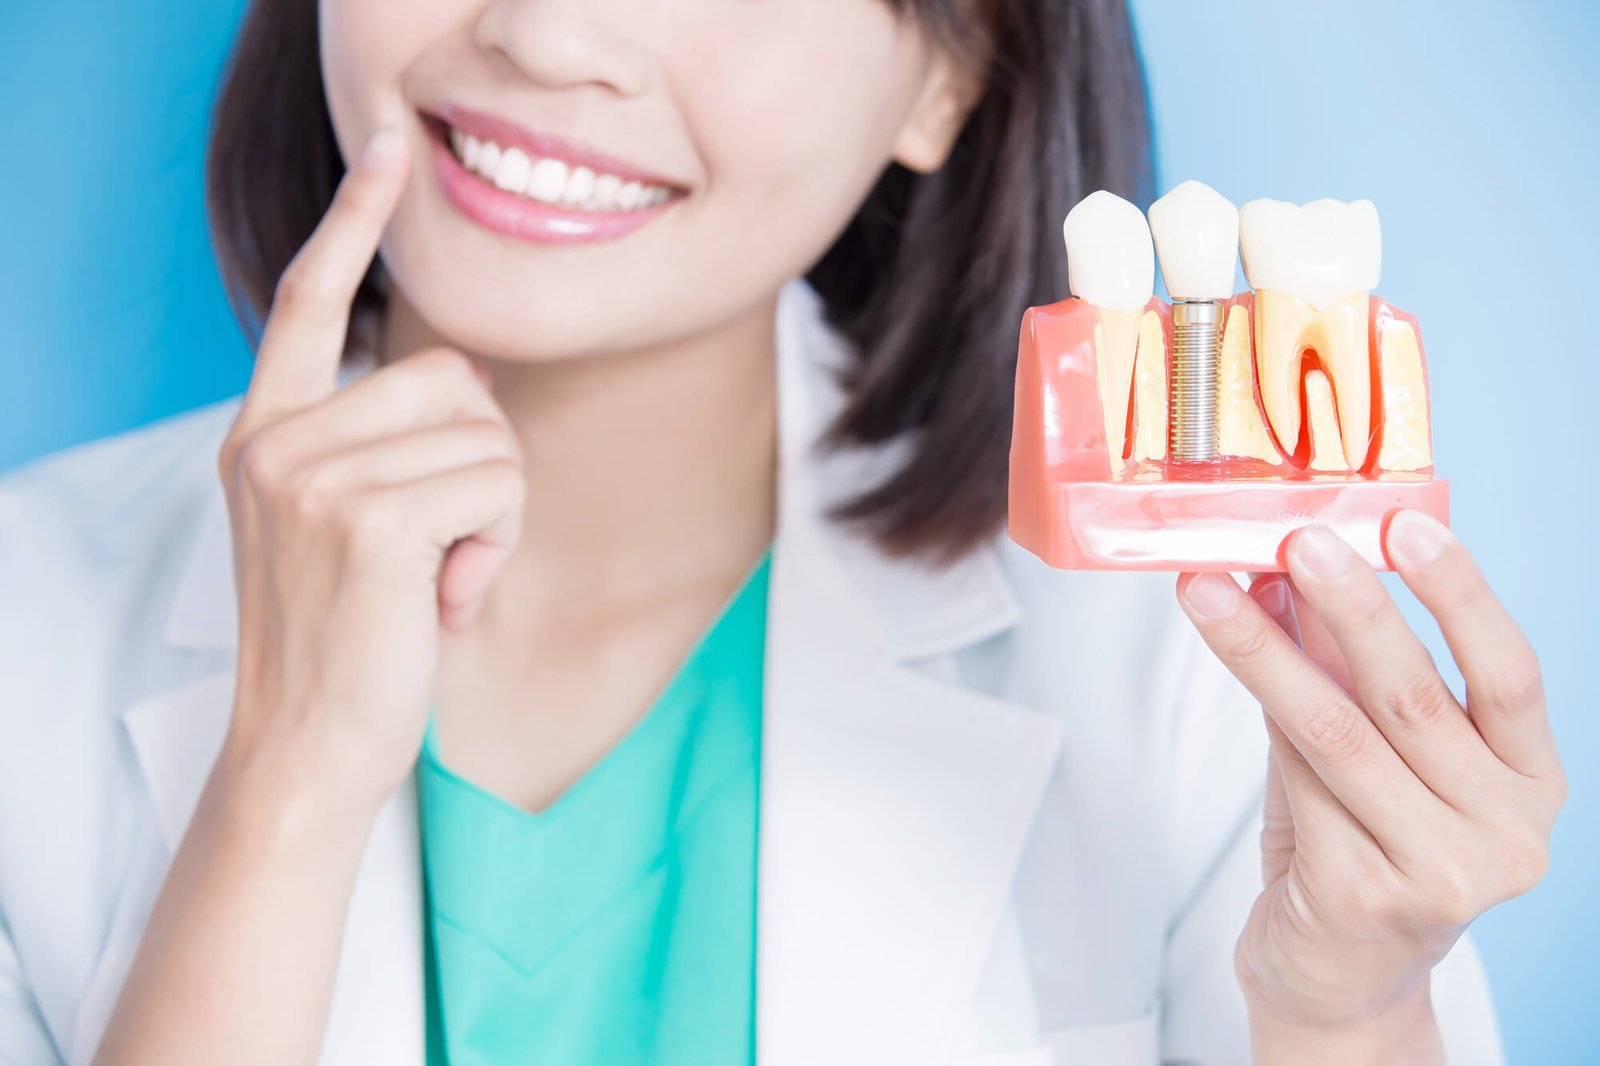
(24, 1040)
(1217, 750)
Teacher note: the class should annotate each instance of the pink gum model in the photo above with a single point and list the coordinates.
(1072, 509)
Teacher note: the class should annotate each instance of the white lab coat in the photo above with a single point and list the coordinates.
(1009, 815)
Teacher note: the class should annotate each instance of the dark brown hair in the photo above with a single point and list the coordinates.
(928, 281)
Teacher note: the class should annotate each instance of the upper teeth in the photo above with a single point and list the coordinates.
(551, 180)
(1312, 268)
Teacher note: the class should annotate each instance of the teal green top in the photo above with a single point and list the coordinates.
(617, 925)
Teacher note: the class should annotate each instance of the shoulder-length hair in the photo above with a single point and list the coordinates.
(929, 280)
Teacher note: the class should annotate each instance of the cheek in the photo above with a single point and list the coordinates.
(365, 49)
(795, 122)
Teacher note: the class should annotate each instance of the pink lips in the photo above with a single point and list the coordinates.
(523, 217)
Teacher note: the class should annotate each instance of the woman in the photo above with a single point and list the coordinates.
(591, 636)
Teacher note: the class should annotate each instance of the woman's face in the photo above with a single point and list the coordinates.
(774, 117)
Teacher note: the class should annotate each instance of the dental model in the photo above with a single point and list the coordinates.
(1199, 435)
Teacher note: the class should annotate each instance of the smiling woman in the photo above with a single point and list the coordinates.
(590, 638)
(886, 182)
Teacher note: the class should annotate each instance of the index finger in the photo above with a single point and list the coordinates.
(1505, 685)
(301, 346)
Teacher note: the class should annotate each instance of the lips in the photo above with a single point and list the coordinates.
(542, 145)
(522, 217)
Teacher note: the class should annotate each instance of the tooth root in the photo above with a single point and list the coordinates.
(1285, 326)
(1150, 391)
(1407, 432)
(1116, 338)
(1342, 342)
(1322, 425)
(1281, 321)
(1240, 429)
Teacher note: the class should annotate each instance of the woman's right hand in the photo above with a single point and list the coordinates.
(363, 518)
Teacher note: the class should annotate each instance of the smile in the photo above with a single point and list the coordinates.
(547, 200)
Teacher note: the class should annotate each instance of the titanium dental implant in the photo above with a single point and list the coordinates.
(1196, 232)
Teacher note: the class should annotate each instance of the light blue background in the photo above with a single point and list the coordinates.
(1471, 125)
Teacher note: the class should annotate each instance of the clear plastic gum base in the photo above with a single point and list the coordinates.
(1077, 507)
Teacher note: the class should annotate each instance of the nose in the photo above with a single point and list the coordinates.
(566, 43)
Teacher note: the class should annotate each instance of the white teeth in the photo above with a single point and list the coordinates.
(1312, 268)
(580, 183)
(548, 181)
(1320, 252)
(1110, 258)
(1196, 231)
(552, 180)
(1112, 265)
(605, 191)
(512, 173)
(488, 159)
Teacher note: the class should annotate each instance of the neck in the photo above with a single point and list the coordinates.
(646, 469)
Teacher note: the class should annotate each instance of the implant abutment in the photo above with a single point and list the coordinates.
(1192, 383)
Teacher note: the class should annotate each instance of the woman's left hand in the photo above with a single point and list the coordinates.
(1394, 815)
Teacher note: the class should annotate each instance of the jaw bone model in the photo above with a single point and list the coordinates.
(1143, 441)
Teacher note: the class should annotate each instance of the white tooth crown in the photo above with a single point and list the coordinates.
(1313, 268)
(1196, 232)
(1110, 257)
(1319, 252)
(551, 180)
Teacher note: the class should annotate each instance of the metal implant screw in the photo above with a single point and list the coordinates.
(1192, 385)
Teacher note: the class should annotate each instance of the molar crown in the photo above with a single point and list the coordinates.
(1321, 251)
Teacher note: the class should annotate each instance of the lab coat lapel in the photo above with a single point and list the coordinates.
(894, 807)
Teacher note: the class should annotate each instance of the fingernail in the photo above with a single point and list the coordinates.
(382, 149)
(1213, 595)
(1273, 596)
(1416, 538)
(1322, 552)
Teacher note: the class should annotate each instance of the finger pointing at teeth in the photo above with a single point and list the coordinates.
(301, 348)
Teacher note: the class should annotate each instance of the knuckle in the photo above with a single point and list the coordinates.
(1251, 643)
(1419, 701)
(1519, 687)
(300, 285)
(1334, 731)
(227, 458)
(260, 462)
(1525, 860)
(1452, 897)
(367, 524)
(1558, 788)
(509, 474)
(314, 490)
